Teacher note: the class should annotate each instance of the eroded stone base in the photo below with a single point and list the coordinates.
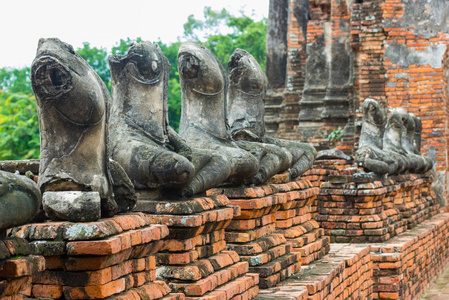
(253, 234)
(359, 209)
(17, 266)
(111, 257)
(295, 220)
(194, 260)
(400, 268)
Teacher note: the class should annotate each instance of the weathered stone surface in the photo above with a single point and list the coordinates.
(72, 206)
(370, 153)
(247, 90)
(72, 105)
(203, 117)
(418, 164)
(22, 166)
(276, 57)
(416, 141)
(333, 154)
(154, 156)
(20, 200)
(123, 188)
(392, 139)
(245, 110)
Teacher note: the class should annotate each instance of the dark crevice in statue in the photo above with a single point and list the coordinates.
(150, 151)
(72, 106)
(247, 89)
(203, 117)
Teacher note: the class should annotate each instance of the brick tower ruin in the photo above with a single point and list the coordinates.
(324, 57)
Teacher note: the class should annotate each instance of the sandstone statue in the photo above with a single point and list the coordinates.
(245, 108)
(72, 107)
(20, 199)
(370, 153)
(203, 117)
(417, 141)
(392, 140)
(151, 152)
(418, 164)
(246, 111)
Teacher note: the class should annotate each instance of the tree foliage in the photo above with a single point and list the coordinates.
(19, 127)
(220, 31)
(97, 58)
(241, 32)
(16, 80)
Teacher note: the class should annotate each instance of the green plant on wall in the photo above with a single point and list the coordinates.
(335, 135)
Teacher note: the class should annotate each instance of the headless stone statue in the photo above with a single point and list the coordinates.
(20, 200)
(417, 142)
(418, 163)
(72, 106)
(370, 152)
(203, 117)
(141, 140)
(392, 140)
(246, 111)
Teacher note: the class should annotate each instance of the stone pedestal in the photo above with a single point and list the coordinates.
(194, 259)
(17, 266)
(398, 223)
(253, 234)
(351, 210)
(112, 257)
(362, 209)
(295, 220)
(414, 199)
(322, 169)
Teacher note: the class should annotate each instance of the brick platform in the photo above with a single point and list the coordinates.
(324, 168)
(414, 198)
(253, 234)
(17, 266)
(400, 268)
(344, 273)
(112, 257)
(194, 260)
(294, 220)
(406, 264)
(361, 209)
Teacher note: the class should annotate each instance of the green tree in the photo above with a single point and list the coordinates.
(123, 45)
(19, 127)
(245, 33)
(174, 87)
(16, 80)
(97, 58)
(221, 32)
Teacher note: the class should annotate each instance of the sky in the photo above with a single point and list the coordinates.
(101, 23)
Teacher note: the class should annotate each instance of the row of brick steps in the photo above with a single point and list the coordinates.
(253, 234)
(195, 260)
(96, 260)
(360, 208)
(401, 268)
(17, 267)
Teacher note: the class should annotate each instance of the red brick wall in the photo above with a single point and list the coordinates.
(394, 61)
(417, 83)
(418, 87)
